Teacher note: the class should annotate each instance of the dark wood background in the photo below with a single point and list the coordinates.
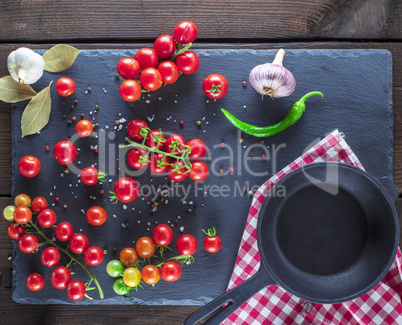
(222, 24)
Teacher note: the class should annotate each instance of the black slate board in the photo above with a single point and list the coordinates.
(358, 101)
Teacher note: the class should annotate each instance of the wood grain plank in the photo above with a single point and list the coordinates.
(103, 20)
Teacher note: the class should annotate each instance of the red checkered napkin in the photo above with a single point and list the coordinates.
(273, 305)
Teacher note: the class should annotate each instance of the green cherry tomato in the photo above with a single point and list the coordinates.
(120, 288)
(115, 268)
(132, 277)
(8, 213)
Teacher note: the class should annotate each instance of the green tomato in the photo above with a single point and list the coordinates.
(8, 213)
(120, 288)
(132, 277)
(115, 268)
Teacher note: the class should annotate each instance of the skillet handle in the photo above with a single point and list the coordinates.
(390, 187)
(234, 298)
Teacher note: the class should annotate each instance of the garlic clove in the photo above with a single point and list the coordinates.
(25, 66)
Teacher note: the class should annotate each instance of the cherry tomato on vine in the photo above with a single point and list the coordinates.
(215, 86)
(185, 32)
(65, 152)
(29, 166)
(78, 243)
(152, 137)
(35, 281)
(22, 200)
(15, 231)
(50, 257)
(39, 204)
(64, 231)
(169, 72)
(61, 277)
(125, 190)
(128, 256)
(212, 243)
(158, 163)
(197, 147)
(150, 274)
(174, 143)
(162, 235)
(134, 156)
(188, 62)
(22, 214)
(120, 287)
(47, 218)
(165, 46)
(96, 216)
(76, 290)
(28, 243)
(199, 171)
(90, 176)
(130, 90)
(115, 268)
(170, 271)
(65, 86)
(84, 128)
(151, 79)
(128, 68)
(134, 129)
(132, 277)
(186, 244)
(8, 212)
(176, 176)
(145, 247)
(94, 255)
(147, 58)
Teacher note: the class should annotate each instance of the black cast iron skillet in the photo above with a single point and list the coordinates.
(327, 233)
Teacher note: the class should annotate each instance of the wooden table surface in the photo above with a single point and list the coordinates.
(313, 24)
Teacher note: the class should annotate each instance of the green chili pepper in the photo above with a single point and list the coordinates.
(291, 117)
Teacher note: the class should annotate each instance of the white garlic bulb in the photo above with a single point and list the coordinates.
(25, 66)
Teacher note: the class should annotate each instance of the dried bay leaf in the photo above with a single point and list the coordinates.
(12, 92)
(60, 57)
(36, 113)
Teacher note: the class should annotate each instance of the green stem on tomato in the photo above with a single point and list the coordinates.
(73, 258)
(181, 258)
(181, 50)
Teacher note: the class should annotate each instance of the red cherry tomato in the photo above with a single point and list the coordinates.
(29, 166)
(134, 156)
(65, 86)
(198, 148)
(96, 216)
(15, 231)
(64, 231)
(47, 218)
(150, 274)
(147, 58)
(35, 281)
(126, 189)
(162, 235)
(76, 290)
(145, 247)
(50, 257)
(28, 243)
(185, 32)
(65, 152)
(128, 68)
(78, 243)
(151, 139)
(158, 163)
(128, 256)
(199, 171)
(84, 128)
(130, 90)
(169, 72)
(165, 46)
(212, 243)
(174, 143)
(94, 255)
(89, 175)
(61, 277)
(39, 204)
(215, 86)
(151, 79)
(176, 176)
(186, 244)
(188, 62)
(134, 129)
(170, 271)
(22, 214)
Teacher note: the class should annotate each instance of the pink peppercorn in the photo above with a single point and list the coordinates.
(244, 83)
